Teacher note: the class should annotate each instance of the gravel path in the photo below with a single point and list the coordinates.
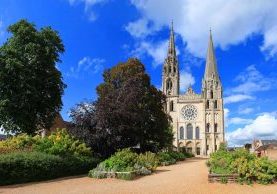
(189, 177)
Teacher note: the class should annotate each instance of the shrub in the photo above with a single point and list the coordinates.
(249, 167)
(61, 143)
(166, 159)
(20, 167)
(177, 155)
(58, 143)
(188, 155)
(121, 161)
(148, 160)
(22, 142)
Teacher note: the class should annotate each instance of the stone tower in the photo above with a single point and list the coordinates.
(170, 74)
(212, 95)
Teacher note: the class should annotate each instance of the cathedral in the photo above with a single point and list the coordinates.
(197, 119)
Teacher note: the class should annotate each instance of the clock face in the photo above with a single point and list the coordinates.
(189, 112)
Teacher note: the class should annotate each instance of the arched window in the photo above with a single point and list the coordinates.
(165, 69)
(212, 94)
(181, 132)
(171, 106)
(197, 136)
(168, 84)
(215, 127)
(169, 70)
(207, 104)
(189, 131)
(208, 127)
(215, 104)
(174, 69)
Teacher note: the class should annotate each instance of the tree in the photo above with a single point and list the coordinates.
(128, 112)
(30, 85)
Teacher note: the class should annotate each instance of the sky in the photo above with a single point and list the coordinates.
(99, 34)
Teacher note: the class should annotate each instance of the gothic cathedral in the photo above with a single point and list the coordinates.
(197, 119)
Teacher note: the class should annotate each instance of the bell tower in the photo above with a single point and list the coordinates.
(213, 102)
(170, 75)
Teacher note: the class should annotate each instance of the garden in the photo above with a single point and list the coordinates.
(126, 164)
(26, 158)
(241, 163)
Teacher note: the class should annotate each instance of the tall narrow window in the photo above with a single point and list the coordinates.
(171, 106)
(169, 70)
(197, 133)
(189, 131)
(215, 104)
(215, 127)
(181, 132)
(212, 94)
(208, 127)
(207, 104)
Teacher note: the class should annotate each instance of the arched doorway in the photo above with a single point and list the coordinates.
(189, 146)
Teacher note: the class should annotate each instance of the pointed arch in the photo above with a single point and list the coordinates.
(197, 133)
(189, 131)
(181, 133)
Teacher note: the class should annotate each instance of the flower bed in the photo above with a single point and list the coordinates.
(247, 166)
(126, 164)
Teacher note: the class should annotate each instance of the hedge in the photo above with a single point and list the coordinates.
(21, 167)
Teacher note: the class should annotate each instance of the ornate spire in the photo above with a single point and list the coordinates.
(211, 66)
(171, 46)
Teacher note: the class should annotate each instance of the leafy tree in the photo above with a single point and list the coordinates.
(30, 85)
(128, 112)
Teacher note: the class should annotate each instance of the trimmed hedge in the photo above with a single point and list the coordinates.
(20, 167)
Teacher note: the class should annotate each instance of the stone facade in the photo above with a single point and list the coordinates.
(197, 119)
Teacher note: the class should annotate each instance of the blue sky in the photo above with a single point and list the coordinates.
(98, 34)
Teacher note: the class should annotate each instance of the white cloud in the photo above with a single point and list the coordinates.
(156, 51)
(89, 4)
(232, 21)
(237, 98)
(239, 121)
(251, 80)
(263, 127)
(186, 80)
(246, 110)
(86, 65)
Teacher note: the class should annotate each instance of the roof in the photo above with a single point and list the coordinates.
(267, 142)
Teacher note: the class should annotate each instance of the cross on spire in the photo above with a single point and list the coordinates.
(211, 66)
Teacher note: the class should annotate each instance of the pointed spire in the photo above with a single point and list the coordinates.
(171, 46)
(211, 66)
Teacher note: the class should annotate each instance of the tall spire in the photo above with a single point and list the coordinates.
(171, 46)
(211, 66)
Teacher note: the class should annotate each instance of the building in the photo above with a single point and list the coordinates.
(197, 119)
(58, 123)
(266, 148)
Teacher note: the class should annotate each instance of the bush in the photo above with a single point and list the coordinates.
(61, 143)
(179, 156)
(22, 142)
(58, 143)
(188, 155)
(165, 159)
(148, 160)
(20, 167)
(248, 166)
(122, 161)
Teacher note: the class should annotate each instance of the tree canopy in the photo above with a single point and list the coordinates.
(30, 84)
(128, 112)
